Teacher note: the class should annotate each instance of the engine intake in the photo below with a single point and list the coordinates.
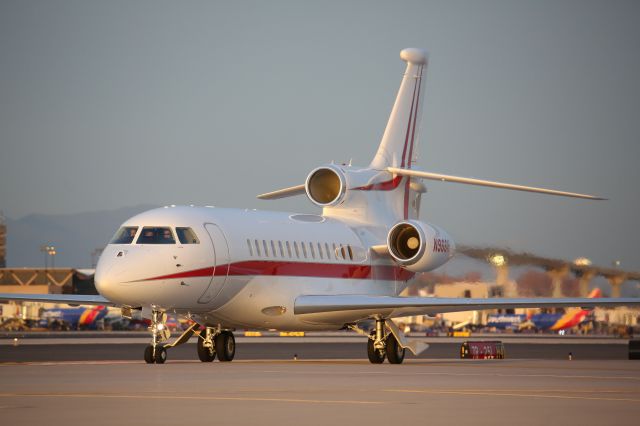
(406, 243)
(326, 186)
(419, 247)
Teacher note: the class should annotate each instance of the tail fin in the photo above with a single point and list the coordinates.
(398, 145)
(595, 293)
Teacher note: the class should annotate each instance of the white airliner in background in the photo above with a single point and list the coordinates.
(231, 268)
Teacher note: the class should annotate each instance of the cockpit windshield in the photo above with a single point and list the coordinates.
(187, 236)
(124, 235)
(156, 235)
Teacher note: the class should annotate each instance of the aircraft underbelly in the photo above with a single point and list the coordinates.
(268, 302)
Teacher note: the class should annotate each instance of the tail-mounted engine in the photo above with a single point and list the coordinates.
(326, 186)
(419, 247)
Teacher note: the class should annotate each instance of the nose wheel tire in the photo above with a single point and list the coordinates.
(206, 352)
(160, 356)
(225, 346)
(148, 354)
(376, 356)
(395, 352)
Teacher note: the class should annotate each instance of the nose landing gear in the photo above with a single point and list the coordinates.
(206, 347)
(156, 352)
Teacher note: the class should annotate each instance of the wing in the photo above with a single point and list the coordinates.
(70, 299)
(350, 308)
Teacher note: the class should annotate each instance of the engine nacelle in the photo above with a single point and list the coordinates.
(419, 247)
(326, 186)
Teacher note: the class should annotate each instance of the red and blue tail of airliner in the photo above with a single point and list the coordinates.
(573, 317)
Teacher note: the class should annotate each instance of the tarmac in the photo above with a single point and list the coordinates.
(331, 382)
(321, 392)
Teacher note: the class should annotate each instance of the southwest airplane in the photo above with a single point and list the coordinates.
(234, 268)
(73, 318)
(554, 322)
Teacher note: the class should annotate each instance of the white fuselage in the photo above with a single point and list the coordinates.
(248, 267)
(245, 268)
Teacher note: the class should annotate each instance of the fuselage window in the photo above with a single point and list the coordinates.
(304, 249)
(257, 247)
(156, 235)
(124, 235)
(336, 252)
(326, 246)
(295, 247)
(288, 249)
(273, 249)
(266, 248)
(320, 251)
(343, 253)
(187, 236)
(350, 252)
(313, 252)
(250, 248)
(281, 248)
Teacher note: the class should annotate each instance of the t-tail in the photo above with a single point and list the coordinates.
(575, 316)
(389, 189)
(398, 147)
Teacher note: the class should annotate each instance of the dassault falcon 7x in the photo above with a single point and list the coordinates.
(229, 269)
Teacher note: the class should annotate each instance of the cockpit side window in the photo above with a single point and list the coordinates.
(187, 236)
(156, 235)
(124, 235)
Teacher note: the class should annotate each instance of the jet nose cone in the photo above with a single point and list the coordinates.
(101, 278)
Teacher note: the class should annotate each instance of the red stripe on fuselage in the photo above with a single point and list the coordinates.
(295, 269)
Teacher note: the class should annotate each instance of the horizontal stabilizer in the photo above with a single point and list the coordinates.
(283, 193)
(70, 299)
(479, 182)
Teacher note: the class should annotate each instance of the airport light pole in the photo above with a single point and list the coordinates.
(45, 250)
(52, 253)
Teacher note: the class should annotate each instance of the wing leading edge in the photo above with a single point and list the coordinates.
(359, 307)
(70, 299)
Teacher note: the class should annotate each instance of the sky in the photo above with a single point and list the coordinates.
(105, 105)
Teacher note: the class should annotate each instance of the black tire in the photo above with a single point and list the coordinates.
(148, 354)
(395, 352)
(225, 346)
(205, 354)
(161, 354)
(376, 356)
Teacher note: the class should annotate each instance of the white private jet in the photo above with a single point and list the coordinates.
(228, 268)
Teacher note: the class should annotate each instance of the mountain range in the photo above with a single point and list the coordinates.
(74, 236)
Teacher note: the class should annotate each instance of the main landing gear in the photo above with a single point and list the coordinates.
(212, 342)
(381, 345)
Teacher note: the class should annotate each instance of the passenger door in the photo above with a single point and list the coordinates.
(221, 260)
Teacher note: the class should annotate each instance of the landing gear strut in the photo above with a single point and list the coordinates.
(156, 352)
(206, 348)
